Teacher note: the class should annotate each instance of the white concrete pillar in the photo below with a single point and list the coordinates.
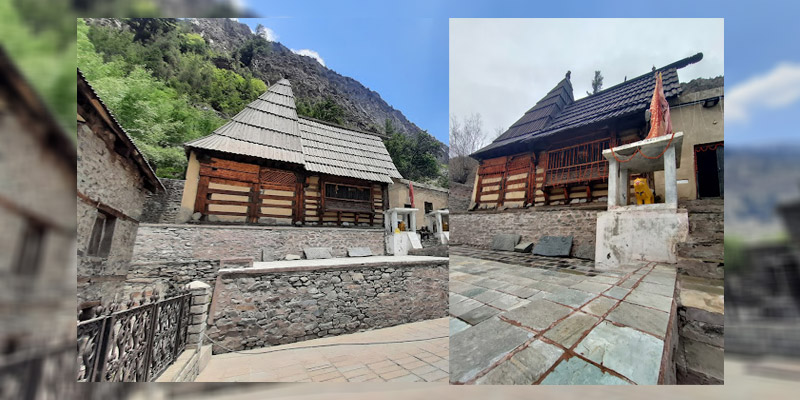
(394, 220)
(613, 183)
(412, 219)
(670, 177)
(439, 226)
(624, 186)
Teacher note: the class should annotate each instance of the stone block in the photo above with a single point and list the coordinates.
(477, 348)
(505, 241)
(635, 355)
(525, 367)
(317, 253)
(524, 247)
(553, 246)
(359, 252)
(575, 371)
(292, 257)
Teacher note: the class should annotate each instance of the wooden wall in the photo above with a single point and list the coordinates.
(233, 191)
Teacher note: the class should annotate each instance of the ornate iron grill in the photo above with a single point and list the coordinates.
(577, 164)
(136, 344)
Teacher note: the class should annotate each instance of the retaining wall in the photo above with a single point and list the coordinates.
(254, 308)
(477, 228)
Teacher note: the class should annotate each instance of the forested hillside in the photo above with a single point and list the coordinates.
(167, 81)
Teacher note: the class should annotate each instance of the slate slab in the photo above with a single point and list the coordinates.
(591, 287)
(617, 292)
(538, 315)
(317, 253)
(524, 247)
(464, 307)
(599, 306)
(525, 367)
(359, 252)
(570, 330)
(633, 354)
(570, 297)
(505, 241)
(480, 314)
(553, 246)
(575, 371)
(476, 349)
(642, 318)
(457, 325)
(650, 300)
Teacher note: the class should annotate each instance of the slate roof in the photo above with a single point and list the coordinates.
(270, 128)
(151, 180)
(558, 113)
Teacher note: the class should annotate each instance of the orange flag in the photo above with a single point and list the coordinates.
(411, 193)
(660, 122)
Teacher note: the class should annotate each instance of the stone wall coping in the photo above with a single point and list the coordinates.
(335, 263)
(265, 228)
(595, 206)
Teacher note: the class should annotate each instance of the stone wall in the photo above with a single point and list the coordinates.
(258, 308)
(107, 177)
(164, 207)
(477, 228)
(181, 243)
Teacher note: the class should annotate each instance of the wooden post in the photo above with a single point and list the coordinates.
(254, 208)
(202, 195)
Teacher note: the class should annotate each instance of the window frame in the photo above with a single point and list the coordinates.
(102, 236)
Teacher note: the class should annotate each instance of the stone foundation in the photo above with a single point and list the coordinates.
(477, 228)
(185, 242)
(254, 308)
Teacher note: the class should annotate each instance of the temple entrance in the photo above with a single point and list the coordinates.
(709, 169)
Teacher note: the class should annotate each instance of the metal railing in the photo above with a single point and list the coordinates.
(136, 344)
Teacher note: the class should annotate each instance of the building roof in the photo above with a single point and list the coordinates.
(54, 137)
(150, 180)
(270, 128)
(558, 113)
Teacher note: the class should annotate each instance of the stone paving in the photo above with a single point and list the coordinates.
(559, 325)
(414, 360)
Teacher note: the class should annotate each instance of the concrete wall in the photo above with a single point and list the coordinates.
(164, 207)
(398, 198)
(175, 243)
(107, 177)
(699, 125)
(258, 308)
(477, 228)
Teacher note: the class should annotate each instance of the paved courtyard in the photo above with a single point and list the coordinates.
(563, 323)
(422, 356)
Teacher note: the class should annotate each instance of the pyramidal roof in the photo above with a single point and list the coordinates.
(558, 113)
(270, 128)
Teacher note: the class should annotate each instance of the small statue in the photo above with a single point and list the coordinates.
(644, 195)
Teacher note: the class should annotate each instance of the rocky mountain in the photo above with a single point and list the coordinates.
(364, 109)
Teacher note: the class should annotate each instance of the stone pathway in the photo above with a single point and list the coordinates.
(417, 361)
(520, 324)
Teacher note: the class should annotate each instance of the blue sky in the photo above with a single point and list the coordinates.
(401, 51)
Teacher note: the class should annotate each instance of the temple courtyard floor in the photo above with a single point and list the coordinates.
(414, 352)
(524, 319)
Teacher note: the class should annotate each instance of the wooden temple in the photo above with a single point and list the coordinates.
(268, 165)
(553, 154)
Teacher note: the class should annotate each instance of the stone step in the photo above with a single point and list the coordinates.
(704, 206)
(700, 268)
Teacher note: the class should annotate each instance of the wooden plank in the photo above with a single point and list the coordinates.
(228, 192)
(228, 202)
(252, 209)
(221, 181)
(232, 165)
(206, 170)
(260, 214)
(231, 213)
(276, 197)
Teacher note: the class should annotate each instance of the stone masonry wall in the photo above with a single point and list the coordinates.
(259, 308)
(179, 243)
(478, 228)
(163, 207)
(105, 176)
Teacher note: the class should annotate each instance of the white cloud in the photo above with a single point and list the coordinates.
(310, 53)
(267, 33)
(778, 88)
(234, 19)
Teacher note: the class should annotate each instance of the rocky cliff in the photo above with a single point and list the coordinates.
(364, 108)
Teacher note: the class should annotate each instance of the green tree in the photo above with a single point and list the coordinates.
(325, 110)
